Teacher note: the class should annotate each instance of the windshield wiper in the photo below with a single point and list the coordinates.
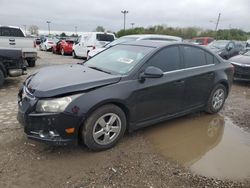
(99, 69)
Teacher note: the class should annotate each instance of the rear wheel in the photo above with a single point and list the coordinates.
(31, 63)
(74, 54)
(216, 99)
(1, 78)
(104, 128)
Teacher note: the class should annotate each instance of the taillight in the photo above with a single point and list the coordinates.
(34, 44)
(93, 47)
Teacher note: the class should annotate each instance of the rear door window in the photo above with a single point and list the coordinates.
(167, 59)
(209, 58)
(193, 56)
(11, 32)
(105, 37)
(16, 32)
(5, 32)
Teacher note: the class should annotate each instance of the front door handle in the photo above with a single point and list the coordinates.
(179, 82)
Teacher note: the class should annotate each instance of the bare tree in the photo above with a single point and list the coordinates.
(33, 29)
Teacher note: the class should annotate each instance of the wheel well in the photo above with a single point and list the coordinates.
(225, 84)
(120, 105)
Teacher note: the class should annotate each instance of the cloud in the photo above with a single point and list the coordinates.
(86, 15)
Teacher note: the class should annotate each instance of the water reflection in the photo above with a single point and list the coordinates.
(209, 145)
(186, 140)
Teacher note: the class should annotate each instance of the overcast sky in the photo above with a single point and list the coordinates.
(87, 14)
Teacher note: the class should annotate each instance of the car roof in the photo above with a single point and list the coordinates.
(160, 44)
(150, 43)
(9, 26)
(144, 36)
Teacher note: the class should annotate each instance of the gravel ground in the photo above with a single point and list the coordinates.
(132, 163)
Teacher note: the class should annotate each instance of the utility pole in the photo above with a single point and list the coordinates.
(124, 12)
(132, 25)
(48, 22)
(216, 27)
(76, 30)
(217, 23)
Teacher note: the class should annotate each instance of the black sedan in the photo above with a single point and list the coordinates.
(241, 65)
(125, 87)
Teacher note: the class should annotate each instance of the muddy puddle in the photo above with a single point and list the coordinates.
(210, 145)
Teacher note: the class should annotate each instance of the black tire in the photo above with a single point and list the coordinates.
(93, 124)
(1, 78)
(31, 63)
(74, 54)
(218, 95)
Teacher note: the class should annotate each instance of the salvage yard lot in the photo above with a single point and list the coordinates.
(173, 153)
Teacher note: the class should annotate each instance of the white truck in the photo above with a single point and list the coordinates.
(89, 41)
(14, 37)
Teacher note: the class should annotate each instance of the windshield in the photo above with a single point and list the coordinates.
(121, 40)
(220, 44)
(119, 59)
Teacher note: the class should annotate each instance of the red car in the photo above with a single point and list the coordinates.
(63, 47)
(202, 40)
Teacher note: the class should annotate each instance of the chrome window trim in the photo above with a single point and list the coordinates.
(191, 68)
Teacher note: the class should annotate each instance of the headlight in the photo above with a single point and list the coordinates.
(54, 105)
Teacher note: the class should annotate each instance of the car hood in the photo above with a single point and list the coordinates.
(241, 59)
(96, 51)
(215, 50)
(63, 79)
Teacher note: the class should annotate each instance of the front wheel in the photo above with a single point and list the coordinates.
(1, 78)
(104, 128)
(62, 52)
(216, 99)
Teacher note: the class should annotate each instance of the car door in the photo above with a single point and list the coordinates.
(7, 41)
(78, 46)
(199, 76)
(157, 97)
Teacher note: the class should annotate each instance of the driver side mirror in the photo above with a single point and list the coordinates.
(151, 72)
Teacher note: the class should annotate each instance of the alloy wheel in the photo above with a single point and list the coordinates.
(218, 98)
(107, 128)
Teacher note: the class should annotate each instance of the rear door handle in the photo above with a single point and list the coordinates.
(12, 40)
(179, 82)
(211, 75)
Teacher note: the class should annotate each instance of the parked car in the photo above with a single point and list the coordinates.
(63, 47)
(202, 40)
(90, 41)
(47, 44)
(226, 48)
(14, 37)
(125, 87)
(11, 63)
(134, 38)
(248, 43)
(241, 65)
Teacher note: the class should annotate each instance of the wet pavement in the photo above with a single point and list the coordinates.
(210, 145)
(198, 150)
